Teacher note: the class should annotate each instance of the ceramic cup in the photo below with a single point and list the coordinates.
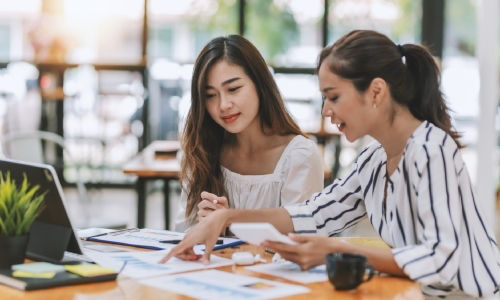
(347, 271)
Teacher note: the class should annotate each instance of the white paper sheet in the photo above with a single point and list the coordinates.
(291, 271)
(214, 284)
(145, 263)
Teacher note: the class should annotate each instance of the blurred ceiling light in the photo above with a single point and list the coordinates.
(303, 11)
(20, 7)
(176, 8)
(378, 10)
(132, 9)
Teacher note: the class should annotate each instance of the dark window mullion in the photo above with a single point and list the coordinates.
(241, 13)
(324, 24)
(433, 26)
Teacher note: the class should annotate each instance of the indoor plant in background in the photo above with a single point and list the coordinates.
(19, 207)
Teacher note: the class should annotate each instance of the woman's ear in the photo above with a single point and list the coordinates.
(378, 91)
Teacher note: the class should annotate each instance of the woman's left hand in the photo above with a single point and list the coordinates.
(309, 252)
(210, 203)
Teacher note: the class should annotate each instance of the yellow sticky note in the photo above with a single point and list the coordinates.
(88, 270)
(24, 274)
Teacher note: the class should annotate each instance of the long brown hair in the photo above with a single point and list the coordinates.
(410, 71)
(203, 138)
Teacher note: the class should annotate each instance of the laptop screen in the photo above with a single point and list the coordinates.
(52, 232)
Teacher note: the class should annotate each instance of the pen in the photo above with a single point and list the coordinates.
(170, 241)
(219, 242)
(232, 244)
(112, 233)
(93, 236)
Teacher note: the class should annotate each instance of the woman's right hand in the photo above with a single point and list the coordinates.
(205, 232)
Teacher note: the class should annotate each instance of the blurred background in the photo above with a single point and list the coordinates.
(111, 76)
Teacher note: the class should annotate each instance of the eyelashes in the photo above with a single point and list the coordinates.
(333, 99)
(234, 89)
(230, 90)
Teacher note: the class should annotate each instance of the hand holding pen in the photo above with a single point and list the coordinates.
(210, 203)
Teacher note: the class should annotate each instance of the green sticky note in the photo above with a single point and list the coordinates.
(38, 267)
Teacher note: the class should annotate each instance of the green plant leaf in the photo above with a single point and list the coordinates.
(3, 228)
(19, 205)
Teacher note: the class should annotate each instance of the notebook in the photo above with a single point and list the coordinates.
(61, 278)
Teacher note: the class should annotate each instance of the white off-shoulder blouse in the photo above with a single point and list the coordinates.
(297, 175)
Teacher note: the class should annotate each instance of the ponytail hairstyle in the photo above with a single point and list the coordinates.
(202, 138)
(410, 71)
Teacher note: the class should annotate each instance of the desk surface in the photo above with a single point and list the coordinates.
(158, 159)
(380, 287)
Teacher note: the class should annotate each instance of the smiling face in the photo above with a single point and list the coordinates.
(231, 97)
(347, 108)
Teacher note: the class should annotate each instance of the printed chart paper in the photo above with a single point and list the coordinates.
(292, 271)
(145, 263)
(214, 284)
(141, 237)
(148, 238)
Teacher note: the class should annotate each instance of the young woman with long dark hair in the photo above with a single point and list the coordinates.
(241, 148)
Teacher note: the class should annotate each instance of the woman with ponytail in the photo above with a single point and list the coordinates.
(411, 183)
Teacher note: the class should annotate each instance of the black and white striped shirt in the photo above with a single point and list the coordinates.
(432, 219)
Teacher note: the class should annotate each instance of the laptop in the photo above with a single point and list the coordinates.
(52, 236)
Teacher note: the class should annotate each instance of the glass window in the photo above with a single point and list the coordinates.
(460, 66)
(5, 45)
(178, 30)
(398, 19)
(286, 32)
(71, 30)
(16, 21)
(302, 98)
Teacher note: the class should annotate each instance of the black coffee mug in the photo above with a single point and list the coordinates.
(347, 271)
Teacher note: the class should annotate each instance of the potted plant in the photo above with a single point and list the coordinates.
(19, 207)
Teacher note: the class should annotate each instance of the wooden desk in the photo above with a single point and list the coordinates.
(149, 165)
(380, 287)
